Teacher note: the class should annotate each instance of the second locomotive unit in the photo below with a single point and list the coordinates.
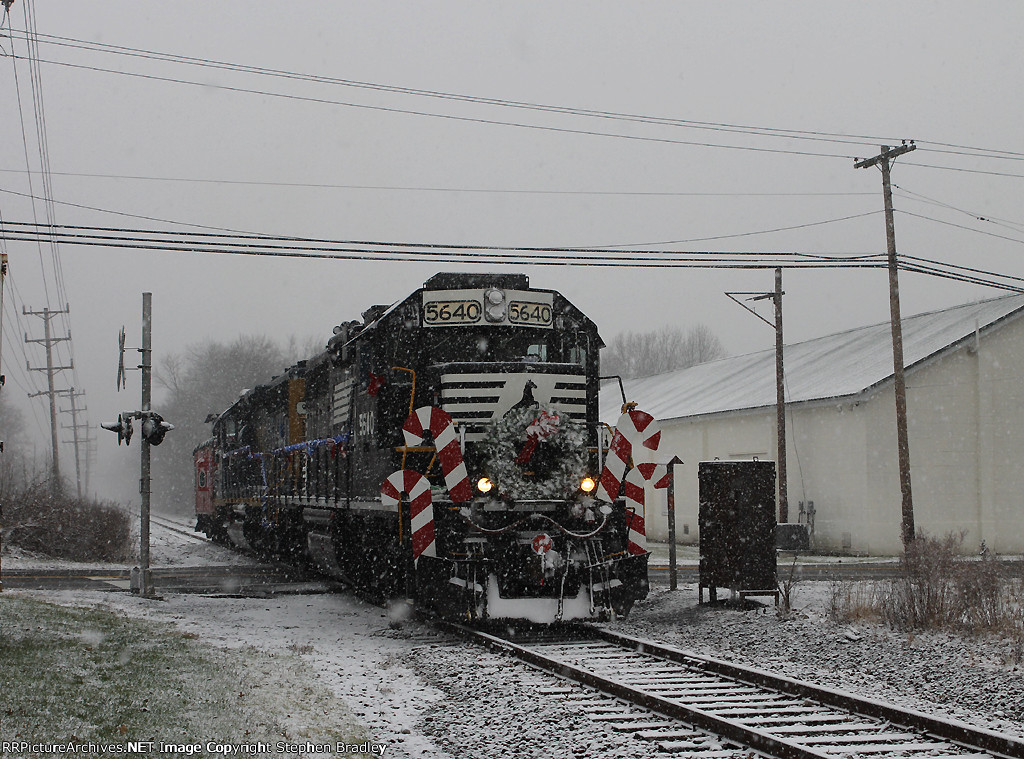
(447, 448)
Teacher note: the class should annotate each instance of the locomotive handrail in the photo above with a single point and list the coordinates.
(544, 517)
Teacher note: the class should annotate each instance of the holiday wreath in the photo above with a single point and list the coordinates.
(536, 452)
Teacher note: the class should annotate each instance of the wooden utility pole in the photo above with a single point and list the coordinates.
(883, 161)
(780, 400)
(75, 427)
(3, 275)
(144, 483)
(46, 314)
(780, 386)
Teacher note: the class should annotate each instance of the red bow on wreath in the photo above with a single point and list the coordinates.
(544, 427)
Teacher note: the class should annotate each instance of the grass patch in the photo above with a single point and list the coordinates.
(85, 674)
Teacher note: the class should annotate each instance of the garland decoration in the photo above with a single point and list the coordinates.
(536, 452)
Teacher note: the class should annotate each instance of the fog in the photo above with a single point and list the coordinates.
(182, 145)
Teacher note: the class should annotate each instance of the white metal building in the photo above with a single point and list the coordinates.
(965, 399)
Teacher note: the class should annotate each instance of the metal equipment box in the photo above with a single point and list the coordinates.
(737, 528)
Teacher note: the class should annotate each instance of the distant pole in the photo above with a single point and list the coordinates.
(50, 370)
(673, 572)
(146, 579)
(75, 426)
(899, 380)
(780, 401)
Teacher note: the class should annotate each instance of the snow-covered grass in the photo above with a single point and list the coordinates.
(93, 675)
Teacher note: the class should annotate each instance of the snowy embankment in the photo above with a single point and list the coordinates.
(427, 697)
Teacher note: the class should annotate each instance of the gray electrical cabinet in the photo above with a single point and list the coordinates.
(737, 528)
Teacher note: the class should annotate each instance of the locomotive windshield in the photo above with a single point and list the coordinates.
(505, 345)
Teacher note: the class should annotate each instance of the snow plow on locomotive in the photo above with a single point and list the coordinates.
(446, 449)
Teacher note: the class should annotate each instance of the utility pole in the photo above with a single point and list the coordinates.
(144, 485)
(780, 400)
(75, 427)
(780, 386)
(50, 369)
(153, 430)
(3, 275)
(883, 161)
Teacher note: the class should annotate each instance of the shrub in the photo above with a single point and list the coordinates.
(938, 587)
(64, 527)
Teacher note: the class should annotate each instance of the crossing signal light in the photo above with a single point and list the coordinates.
(154, 428)
(123, 428)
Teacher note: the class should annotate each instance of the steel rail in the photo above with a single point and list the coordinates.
(726, 728)
(951, 730)
(960, 735)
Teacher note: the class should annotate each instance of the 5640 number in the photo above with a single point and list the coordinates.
(537, 314)
(452, 312)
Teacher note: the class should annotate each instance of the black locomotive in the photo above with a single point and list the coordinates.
(444, 449)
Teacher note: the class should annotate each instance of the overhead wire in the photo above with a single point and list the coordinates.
(62, 348)
(987, 218)
(71, 42)
(935, 146)
(960, 226)
(790, 228)
(483, 190)
(445, 116)
(263, 245)
(819, 135)
(386, 251)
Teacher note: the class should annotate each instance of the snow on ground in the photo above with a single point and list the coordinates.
(426, 696)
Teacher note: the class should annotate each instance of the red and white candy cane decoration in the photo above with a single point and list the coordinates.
(637, 437)
(636, 434)
(633, 493)
(442, 429)
(421, 507)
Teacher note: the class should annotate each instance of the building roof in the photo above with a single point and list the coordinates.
(835, 366)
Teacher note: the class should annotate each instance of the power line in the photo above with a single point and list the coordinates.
(988, 218)
(761, 131)
(750, 234)
(964, 170)
(126, 214)
(422, 188)
(446, 116)
(263, 245)
(834, 137)
(961, 226)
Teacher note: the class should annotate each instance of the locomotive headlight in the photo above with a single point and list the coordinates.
(494, 305)
(484, 485)
(587, 485)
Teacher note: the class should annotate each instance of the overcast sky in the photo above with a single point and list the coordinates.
(302, 158)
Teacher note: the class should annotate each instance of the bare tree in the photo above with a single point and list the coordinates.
(641, 354)
(13, 462)
(205, 379)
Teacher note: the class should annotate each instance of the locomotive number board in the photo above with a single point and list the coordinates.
(453, 308)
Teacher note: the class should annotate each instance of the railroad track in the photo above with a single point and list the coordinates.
(176, 527)
(695, 706)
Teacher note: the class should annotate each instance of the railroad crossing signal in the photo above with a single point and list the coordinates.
(123, 428)
(153, 427)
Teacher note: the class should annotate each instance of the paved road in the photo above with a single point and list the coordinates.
(215, 580)
(268, 579)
